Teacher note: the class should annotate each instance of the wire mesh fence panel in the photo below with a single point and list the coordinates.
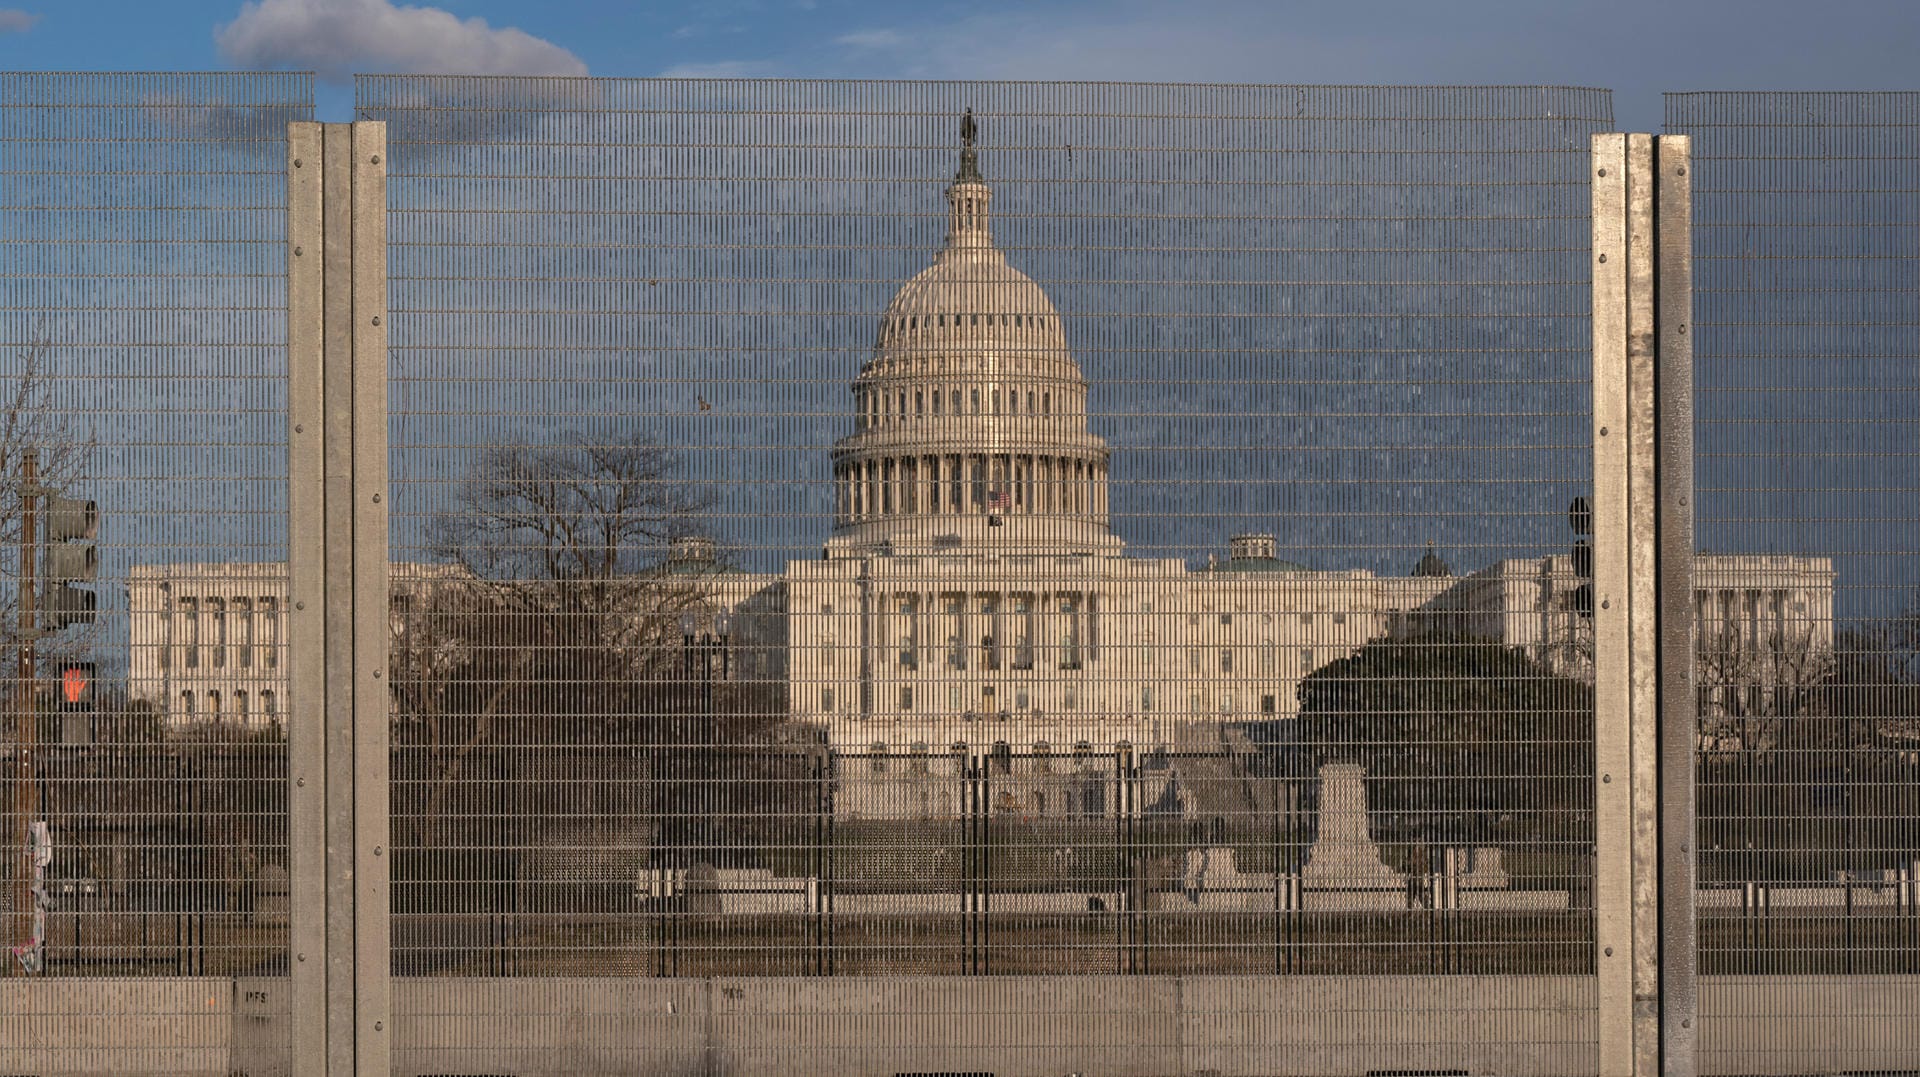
(142, 220)
(1805, 592)
(944, 560)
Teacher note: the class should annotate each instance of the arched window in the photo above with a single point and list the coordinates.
(186, 704)
(877, 757)
(269, 703)
(240, 705)
(1046, 403)
(1002, 757)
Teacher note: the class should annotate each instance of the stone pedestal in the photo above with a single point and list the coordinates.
(1344, 859)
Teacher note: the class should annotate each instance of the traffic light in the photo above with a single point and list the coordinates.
(76, 687)
(70, 558)
(1580, 519)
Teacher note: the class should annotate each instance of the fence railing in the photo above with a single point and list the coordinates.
(670, 576)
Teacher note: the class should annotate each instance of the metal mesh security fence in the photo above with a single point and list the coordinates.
(1805, 592)
(961, 555)
(141, 228)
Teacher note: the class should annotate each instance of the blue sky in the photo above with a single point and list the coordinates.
(1636, 47)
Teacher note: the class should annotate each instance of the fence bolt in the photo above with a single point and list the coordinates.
(1604, 172)
(1607, 778)
(376, 674)
(299, 428)
(376, 319)
(376, 160)
(298, 251)
(303, 957)
(1603, 258)
(299, 605)
(302, 782)
(376, 499)
(377, 1026)
(296, 162)
(1603, 431)
(1606, 603)
(377, 850)
(1686, 1022)
(1609, 951)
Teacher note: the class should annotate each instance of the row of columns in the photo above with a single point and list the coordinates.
(1002, 484)
(942, 630)
(877, 406)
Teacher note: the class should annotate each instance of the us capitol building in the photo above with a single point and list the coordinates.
(973, 611)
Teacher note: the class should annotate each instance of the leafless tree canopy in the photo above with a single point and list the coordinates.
(33, 421)
(554, 620)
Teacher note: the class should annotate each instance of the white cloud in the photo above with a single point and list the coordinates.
(15, 21)
(872, 39)
(337, 38)
(722, 69)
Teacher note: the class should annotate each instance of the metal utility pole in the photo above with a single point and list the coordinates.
(25, 729)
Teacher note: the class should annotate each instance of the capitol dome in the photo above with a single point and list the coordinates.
(970, 418)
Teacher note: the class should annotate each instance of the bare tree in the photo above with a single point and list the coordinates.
(33, 421)
(547, 641)
(1749, 690)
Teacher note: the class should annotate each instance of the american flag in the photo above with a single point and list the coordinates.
(999, 502)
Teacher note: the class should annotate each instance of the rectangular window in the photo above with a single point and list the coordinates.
(1071, 700)
(270, 632)
(1306, 618)
(268, 702)
(1306, 659)
(217, 621)
(190, 637)
(1021, 700)
(1339, 618)
(1266, 704)
(1146, 699)
(169, 627)
(906, 697)
(826, 700)
(1226, 660)
(243, 621)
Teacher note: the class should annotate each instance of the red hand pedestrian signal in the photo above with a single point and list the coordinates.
(76, 686)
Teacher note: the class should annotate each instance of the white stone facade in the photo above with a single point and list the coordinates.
(974, 614)
(208, 641)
